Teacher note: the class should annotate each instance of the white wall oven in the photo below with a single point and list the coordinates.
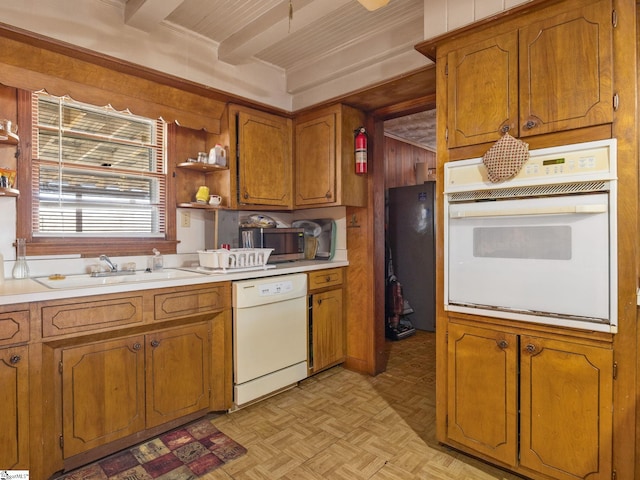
(539, 247)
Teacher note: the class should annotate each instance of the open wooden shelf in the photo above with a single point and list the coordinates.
(9, 192)
(201, 167)
(12, 139)
(202, 206)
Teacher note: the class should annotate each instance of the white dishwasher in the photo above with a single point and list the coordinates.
(269, 335)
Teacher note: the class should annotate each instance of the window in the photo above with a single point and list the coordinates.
(97, 175)
(96, 171)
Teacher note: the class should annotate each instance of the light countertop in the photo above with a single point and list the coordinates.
(29, 290)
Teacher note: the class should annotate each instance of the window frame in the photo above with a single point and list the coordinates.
(86, 246)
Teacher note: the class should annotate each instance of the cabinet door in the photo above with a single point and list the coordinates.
(483, 91)
(566, 409)
(264, 162)
(328, 333)
(566, 71)
(102, 393)
(482, 391)
(14, 409)
(178, 379)
(316, 161)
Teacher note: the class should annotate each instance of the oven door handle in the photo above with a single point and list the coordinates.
(514, 212)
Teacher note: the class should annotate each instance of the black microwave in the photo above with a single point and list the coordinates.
(287, 243)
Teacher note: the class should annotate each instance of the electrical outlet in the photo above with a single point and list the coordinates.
(185, 219)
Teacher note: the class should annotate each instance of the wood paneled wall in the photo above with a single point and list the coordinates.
(400, 161)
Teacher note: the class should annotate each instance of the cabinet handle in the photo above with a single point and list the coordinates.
(137, 346)
(505, 129)
(155, 343)
(319, 301)
(15, 359)
(327, 279)
(530, 124)
(531, 348)
(503, 344)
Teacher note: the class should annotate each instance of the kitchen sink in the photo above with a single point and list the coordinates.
(86, 280)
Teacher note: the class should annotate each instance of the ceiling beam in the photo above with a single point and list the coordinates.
(274, 26)
(146, 15)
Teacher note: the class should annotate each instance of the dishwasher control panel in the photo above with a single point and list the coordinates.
(275, 288)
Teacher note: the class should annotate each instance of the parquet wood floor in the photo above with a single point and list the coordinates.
(341, 425)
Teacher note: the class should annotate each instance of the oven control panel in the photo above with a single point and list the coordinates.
(570, 163)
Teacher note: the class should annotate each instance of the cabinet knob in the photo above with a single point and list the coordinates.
(245, 195)
(155, 343)
(503, 344)
(505, 129)
(531, 348)
(15, 359)
(137, 346)
(530, 124)
(327, 195)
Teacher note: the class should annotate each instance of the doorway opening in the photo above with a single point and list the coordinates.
(409, 189)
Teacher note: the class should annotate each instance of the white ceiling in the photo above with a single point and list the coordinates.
(321, 42)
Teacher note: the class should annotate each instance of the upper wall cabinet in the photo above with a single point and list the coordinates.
(261, 150)
(324, 161)
(551, 75)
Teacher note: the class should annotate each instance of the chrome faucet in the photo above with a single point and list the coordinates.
(112, 267)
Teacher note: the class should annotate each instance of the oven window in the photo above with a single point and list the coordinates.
(540, 242)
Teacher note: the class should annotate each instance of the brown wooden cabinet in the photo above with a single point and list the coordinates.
(324, 159)
(102, 393)
(566, 418)
(327, 330)
(565, 401)
(554, 74)
(482, 391)
(262, 154)
(14, 388)
(119, 368)
(177, 380)
(115, 388)
(14, 408)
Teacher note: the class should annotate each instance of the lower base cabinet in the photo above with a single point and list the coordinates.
(115, 388)
(533, 403)
(14, 403)
(327, 334)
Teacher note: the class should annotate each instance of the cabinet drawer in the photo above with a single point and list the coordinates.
(90, 314)
(325, 278)
(192, 301)
(14, 327)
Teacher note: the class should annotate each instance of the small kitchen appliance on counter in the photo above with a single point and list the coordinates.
(287, 244)
(320, 238)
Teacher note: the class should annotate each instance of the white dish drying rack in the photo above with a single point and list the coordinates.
(234, 260)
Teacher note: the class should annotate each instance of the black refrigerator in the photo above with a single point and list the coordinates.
(411, 237)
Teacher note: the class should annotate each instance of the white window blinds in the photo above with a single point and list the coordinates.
(95, 171)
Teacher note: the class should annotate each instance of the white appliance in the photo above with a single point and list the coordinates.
(269, 335)
(539, 247)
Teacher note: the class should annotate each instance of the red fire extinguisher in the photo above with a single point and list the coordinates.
(361, 150)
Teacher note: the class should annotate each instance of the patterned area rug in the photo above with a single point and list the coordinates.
(182, 454)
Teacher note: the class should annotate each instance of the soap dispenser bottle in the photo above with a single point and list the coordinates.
(156, 262)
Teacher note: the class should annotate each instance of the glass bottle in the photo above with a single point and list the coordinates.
(21, 269)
